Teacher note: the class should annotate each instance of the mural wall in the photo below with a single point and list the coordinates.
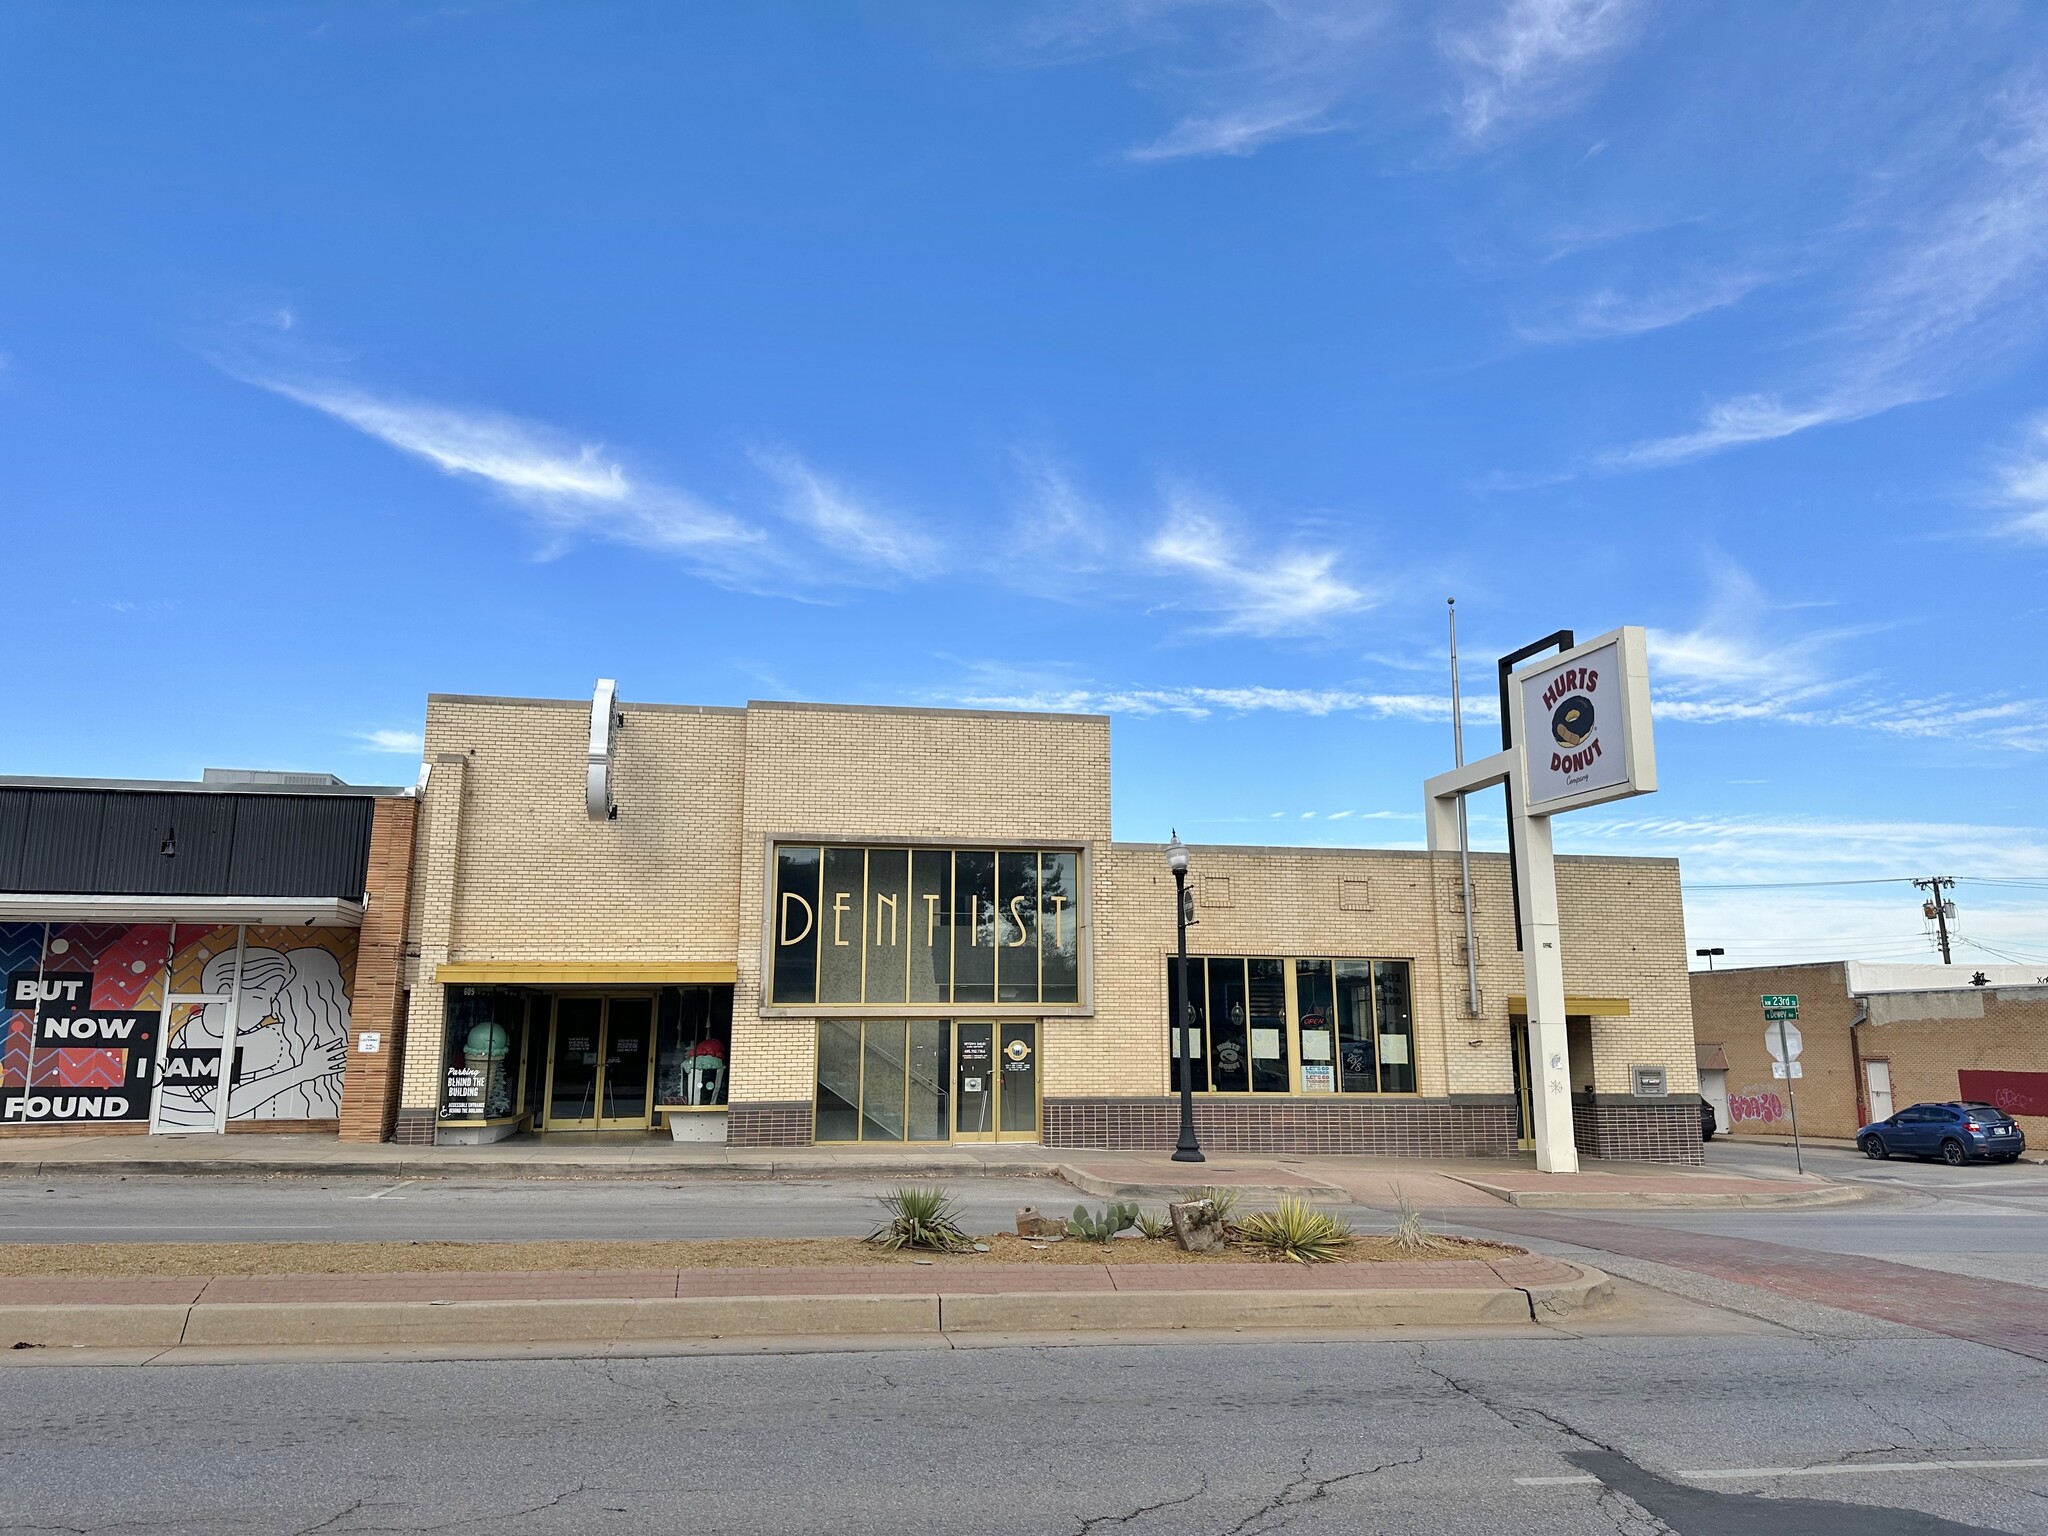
(86, 1038)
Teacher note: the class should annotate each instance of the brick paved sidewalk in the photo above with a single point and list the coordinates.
(908, 1279)
(1992, 1312)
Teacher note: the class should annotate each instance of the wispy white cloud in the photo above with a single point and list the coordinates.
(850, 528)
(1533, 57)
(1744, 663)
(1747, 419)
(1198, 703)
(1240, 75)
(1241, 130)
(1252, 590)
(2023, 485)
(391, 740)
(1606, 313)
(1065, 533)
(1960, 287)
(569, 487)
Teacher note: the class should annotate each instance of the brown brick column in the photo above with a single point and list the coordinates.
(369, 1091)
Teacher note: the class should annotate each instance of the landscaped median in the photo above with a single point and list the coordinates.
(159, 1296)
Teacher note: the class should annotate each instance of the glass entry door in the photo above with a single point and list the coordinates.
(996, 1082)
(628, 1076)
(599, 1078)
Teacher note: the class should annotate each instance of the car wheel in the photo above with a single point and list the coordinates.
(1874, 1149)
(1954, 1153)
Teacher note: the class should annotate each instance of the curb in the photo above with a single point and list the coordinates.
(1626, 1200)
(625, 1320)
(1108, 1189)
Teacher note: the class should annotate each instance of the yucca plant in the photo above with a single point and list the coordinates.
(921, 1216)
(1100, 1227)
(1154, 1227)
(1410, 1235)
(1297, 1231)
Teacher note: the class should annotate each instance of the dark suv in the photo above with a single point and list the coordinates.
(1955, 1133)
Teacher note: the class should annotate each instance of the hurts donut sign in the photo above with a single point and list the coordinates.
(1584, 728)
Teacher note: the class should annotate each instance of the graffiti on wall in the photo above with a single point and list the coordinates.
(1759, 1104)
(2017, 1093)
(79, 1044)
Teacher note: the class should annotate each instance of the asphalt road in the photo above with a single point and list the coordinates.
(1237, 1439)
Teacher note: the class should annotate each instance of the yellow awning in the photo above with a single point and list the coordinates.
(588, 973)
(1606, 1007)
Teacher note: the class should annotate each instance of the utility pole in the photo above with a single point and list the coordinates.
(1938, 908)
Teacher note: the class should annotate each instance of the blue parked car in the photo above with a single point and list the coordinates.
(1955, 1133)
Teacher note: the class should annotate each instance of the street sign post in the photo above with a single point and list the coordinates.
(1780, 1009)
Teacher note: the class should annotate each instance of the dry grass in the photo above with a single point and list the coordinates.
(126, 1260)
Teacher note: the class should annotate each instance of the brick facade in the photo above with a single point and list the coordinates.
(369, 1097)
(770, 1125)
(1382, 1127)
(508, 867)
(1728, 1012)
(1645, 1130)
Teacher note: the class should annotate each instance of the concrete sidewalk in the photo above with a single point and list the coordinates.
(1380, 1182)
(601, 1307)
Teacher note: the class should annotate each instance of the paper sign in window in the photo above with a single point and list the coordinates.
(1315, 1046)
(1394, 1050)
(1321, 1079)
(1265, 1044)
(1195, 1046)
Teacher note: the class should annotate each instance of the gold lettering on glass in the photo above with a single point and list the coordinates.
(839, 909)
(1059, 914)
(809, 915)
(1017, 917)
(931, 919)
(882, 901)
(973, 922)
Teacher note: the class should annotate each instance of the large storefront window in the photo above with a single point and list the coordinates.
(960, 927)
(1269, 1025)
(692, 1046)
(486, 1044)
(895, 1080)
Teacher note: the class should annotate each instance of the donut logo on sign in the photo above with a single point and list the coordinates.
(1573, 722)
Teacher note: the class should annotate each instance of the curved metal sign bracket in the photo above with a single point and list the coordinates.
(604, 735)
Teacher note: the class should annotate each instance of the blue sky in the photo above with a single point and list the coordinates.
(1174, 358)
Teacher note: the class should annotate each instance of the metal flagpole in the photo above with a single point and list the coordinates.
(1464, 835)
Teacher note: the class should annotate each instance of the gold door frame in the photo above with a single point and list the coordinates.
(1000, 1131)
(596, 1120)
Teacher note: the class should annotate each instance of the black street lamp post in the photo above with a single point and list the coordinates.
(1190, 1149)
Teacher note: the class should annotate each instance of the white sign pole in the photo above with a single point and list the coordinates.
(1550, 1096)
(1581, 726)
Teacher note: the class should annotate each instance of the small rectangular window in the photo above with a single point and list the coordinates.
(795, 920)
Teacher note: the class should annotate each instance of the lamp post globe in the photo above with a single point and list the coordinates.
(1189, 1149)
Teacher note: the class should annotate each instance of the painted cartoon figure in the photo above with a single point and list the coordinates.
(291, 1032)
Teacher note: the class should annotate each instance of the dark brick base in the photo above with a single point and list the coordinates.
(1407, 1128)
(769, 1125)
(414, 1127)
(1646, 1130)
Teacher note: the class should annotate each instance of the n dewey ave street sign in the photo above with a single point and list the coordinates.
(1781, 1005)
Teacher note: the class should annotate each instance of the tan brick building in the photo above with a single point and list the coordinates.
(1873, 1039)
(839, 923)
